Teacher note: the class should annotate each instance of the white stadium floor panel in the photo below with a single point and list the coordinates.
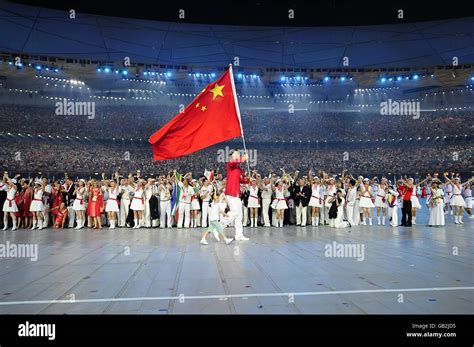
(404, 270)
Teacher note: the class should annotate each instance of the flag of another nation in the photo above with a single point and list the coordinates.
(212, 117)
(209, 174)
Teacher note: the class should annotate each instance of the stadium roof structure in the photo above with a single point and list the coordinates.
(40, 31)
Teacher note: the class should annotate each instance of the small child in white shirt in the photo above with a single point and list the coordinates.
(217, 211)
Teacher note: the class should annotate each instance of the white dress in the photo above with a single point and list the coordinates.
(415, 202)
(10, 204)
(79, 204)
(195, 201)
(457, 199)
(137, 200)
(436, 208)
(37, 202)
(366, 199)
(279, 203)
(112, 203)
(381, 197)
(315, 200)
(253, 197)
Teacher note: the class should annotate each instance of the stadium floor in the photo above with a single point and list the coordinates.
(279, 271)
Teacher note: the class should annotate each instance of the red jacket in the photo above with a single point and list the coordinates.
(405, 192)
(234, 178)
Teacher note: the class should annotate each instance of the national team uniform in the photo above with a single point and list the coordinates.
(205, 194)
(166, 220)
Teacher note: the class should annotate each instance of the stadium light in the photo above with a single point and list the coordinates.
(107, 69)
(383, 79)
(38, 67)
(254, 76)
(399, 78)
(213, 75)
(343, 78)
(168, 74)
(415, 77)
(282, 78)
(125, 72)
(326, 78)
(239, 75)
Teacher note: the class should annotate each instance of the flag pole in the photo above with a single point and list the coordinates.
(234, 91)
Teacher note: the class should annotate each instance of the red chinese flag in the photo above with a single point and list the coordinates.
(211, 118)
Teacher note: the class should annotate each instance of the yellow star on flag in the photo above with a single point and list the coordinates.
(217, 90)
(203, 108)
(197, 105)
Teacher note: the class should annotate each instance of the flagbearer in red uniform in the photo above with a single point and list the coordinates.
(235, 176)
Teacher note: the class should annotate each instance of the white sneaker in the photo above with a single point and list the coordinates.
(203, 242)
(228, 240)
(242, 238)
(460, 222)
(5, 227)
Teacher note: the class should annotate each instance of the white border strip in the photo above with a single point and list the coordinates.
(229, 296)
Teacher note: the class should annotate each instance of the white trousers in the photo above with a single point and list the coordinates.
(235, 215)
(274, 218)
(147, 213)
(245, 215)
(124, 208)
(301, 214)
(265, 210)
(165, 214)
(184, 213)
(356, 213)
(393, 213)
(71, 215)
(204, 213)
(322, 214)
(350, 213)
